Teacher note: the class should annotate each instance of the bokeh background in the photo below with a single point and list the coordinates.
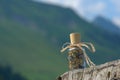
(33, 31)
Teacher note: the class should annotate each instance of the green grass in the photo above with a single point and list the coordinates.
(28, 52)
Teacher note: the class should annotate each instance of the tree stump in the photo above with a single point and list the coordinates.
(107, 71)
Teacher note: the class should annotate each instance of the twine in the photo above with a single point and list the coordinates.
(89, 46)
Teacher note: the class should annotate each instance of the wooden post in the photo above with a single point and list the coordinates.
(107, 71)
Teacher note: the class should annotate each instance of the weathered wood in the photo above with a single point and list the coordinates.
(107, 71)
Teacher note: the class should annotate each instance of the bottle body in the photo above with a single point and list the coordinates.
(76, 58)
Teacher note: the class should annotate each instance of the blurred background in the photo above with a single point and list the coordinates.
(33, 31)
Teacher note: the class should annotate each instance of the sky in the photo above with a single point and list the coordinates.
(89, 9)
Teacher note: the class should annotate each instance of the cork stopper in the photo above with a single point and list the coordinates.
(75, 38)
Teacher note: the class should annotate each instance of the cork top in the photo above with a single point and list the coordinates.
(75, 38)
